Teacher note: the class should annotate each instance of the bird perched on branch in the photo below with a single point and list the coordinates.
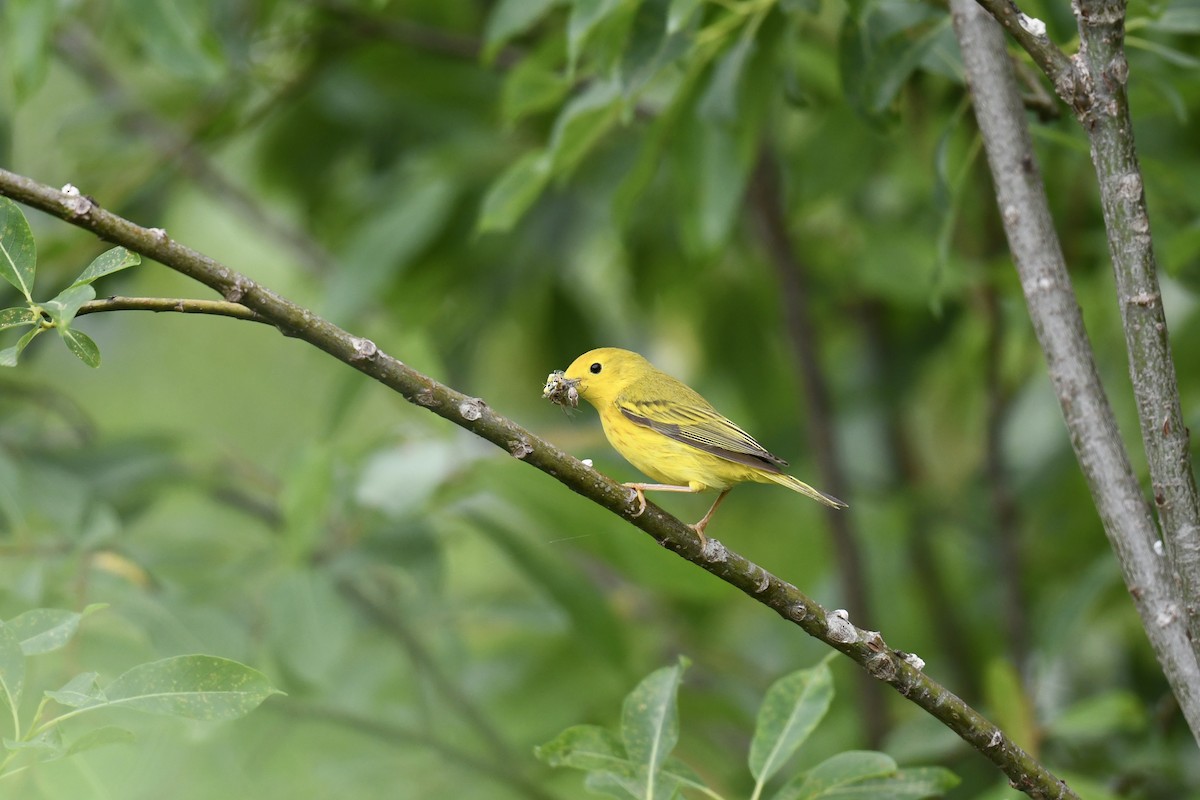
(668, 431)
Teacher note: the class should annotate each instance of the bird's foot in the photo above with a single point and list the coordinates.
(699, 529)
(638, 495)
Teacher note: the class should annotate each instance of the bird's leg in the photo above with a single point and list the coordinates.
(654, 487)
(702, 524)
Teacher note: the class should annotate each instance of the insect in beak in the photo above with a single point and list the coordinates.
(561, 390)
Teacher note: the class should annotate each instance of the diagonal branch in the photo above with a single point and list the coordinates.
(1058, 323)
(866, 648)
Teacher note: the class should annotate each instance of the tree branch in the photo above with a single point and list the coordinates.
(1058, 324)
(766, 201)
(1151, 368)
(867, 648)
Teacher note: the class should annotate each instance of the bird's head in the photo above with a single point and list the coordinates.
(602, 374)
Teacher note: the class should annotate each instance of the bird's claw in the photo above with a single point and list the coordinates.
(640, 496)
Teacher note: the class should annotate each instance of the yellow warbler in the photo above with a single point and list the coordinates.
(668, 431)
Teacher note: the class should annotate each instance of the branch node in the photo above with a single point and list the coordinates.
(519, 448)
(764, 579)
(471, 409)
(425, 398)
(882, 667)
(365, 350)
(840, 628)
(160, 234)
(76, 203)
(238, 289)
(912, 659)
(715, 553)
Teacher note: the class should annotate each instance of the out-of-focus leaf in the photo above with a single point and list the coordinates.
(720, 100)
(582, 123)
(912, 783)
(18, 254)
(26, 27)
(305, 499)
(79, 692)
(1007, 699)
(42, 630)
(12, 668)
(1180, 16)
(10, 355)
(650, 718)
(530, 87)
(100, 737)
(385, 245)
(1100, 717)
(193, 687)
(108, 262)
(45, 746)
(588, 609)
(586, 747)
(879, 52)
(586, 16)
(179, 35)
(1169, 54)
(81, 345)
(679, 13)
(310, 628)
(828, 778)
(792, 709)
(513, 192)
(510, 18)
(17, 316)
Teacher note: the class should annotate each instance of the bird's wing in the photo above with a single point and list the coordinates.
(699, 425)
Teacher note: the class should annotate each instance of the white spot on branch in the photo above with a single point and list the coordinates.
(471, 409)
(840, 627)
(1032, 25)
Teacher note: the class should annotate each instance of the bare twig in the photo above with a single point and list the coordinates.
(1059, 326)
(867, 648)
(218, 308)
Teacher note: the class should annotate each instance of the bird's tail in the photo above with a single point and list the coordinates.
(803, 488)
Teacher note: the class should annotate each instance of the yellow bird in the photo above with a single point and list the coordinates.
(668, 431)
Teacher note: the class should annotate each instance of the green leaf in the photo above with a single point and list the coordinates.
(1012, 707)
(582, 123)
(513, 192)
(63, 308)
(45, 746)
(835, 772)
(586, 747)
(530, 87)
(10, 355)
(793, 707)
(18, 254)
(1182, 16)
(81, 691)
(586, 16)
(649, 718)
(511, 18)
(81, 345)
(106, 263)
(42, 630)
(192, 687)
(179, 36)
(12, 668)
(915, 783)
(880, 50)
(17, 316)
(1168, 54)
(26, 27)
(679, 13)
(719, 102)
(100, 737)
(1101, 717)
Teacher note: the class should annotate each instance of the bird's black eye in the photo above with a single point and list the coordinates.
(595, 368)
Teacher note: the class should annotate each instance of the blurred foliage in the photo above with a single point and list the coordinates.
(487, 190)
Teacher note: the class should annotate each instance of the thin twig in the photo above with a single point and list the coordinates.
(867, 648)
(218, 308)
